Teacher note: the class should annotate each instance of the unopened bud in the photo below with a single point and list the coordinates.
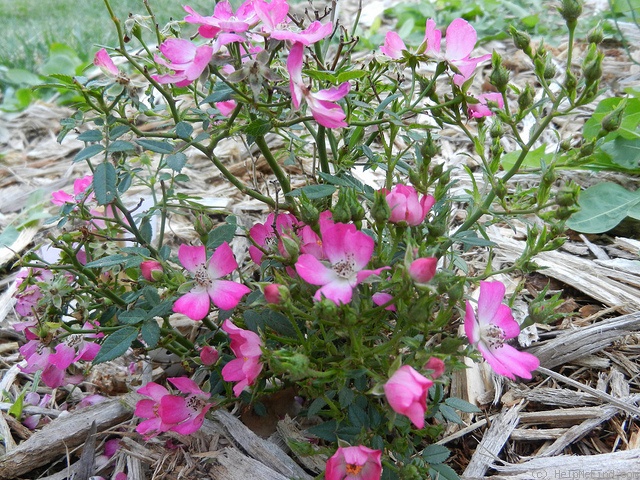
(525, 99)
(521, 40)
(203, 225)
(499, 77)
(309, 214)
(593, 70)
(380, 210)
(566, 197)
(436, 365)
(587, 149)
(595, 35)
(209, 355)
(429, 148)
(496, 129)
(612, 121)
(570, 83)
(151, 270)
(275, 293)
(422, 270)
(341, 211)
(571, 11)
(292, 364)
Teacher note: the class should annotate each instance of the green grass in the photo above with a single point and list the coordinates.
(29, 27)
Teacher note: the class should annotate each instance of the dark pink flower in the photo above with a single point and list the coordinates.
(481, 109)
(354, 463)
(348, 252)
(312, 34)
(246, 346)
(322, 104)
(187, 61)
(406, 392)
(489, 329)
(148, 267)
(268, 235)
(226, 108)
(209, 355)
(80, 187)
(422, 270)
(208, 288)
(436, 365)
(380, 298)
(164, 412)
(272, 293)
(406, 207)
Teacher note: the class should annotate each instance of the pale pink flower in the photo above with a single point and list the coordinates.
(423, 269)
(208, 288)
(312, 34)
(80, 187)
(148, 267)
(224, 19)
(354, 463)
(246, 346)
(273, 14)
(489, 329)
(322, 104)
(481, 109)
(348, 252)
(380, 298)
(406, 392)
(104, 62)
(461, 39)
(187, 61)
(406, 207)
(393, 45)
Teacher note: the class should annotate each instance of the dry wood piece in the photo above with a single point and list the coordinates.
(561, 416)
(263, 450)
(583, 341)
(617, 465)
(289, 431)
(233, 465)
(555, 396)
(492, 442)
(61, 435)
(531, 435)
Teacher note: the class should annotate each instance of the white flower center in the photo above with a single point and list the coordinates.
(493, 336)
(345, 268)
(194, 403)
(201, 276)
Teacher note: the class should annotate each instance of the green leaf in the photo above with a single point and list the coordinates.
(184, 130)
(325, 431)
(435, 454)
(116, 344)
(532, 160)
(345, 397)
(131, 317)
(88, 152)
(315, 407)
(221, 93)
(602, 207)
(462, 405)
(90, 136)
(176, 161)
(443, 472)
(155, 146)
(313, 192)
(351, 75)
(8, 236)
(118, 131)
(104, 183)
(108, 261)
(121, 146)
(624, 152)
(630, 119)
(357, 416)
(221, 234)
(258, 127)
(150, 333)
(450, 414)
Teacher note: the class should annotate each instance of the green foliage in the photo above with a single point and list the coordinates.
(604, 206)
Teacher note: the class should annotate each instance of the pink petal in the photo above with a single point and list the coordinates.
(192, 257)
(339, 291)
(294, 67)
(433, 38)
(509, 362)
(380, 298)
(153, 390)
(104, 62)
(461, 39)
(226, 294)
(393, 45)
(186, 385)
(333, 94)
(491, 296)
(504, 319)
(222, 262)
(178, 50)
(63, 357)
(194, 304)
(313, 271)
(200, 62)
(173, 409)
(145, 408)
(327, 114)
(471, 327)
